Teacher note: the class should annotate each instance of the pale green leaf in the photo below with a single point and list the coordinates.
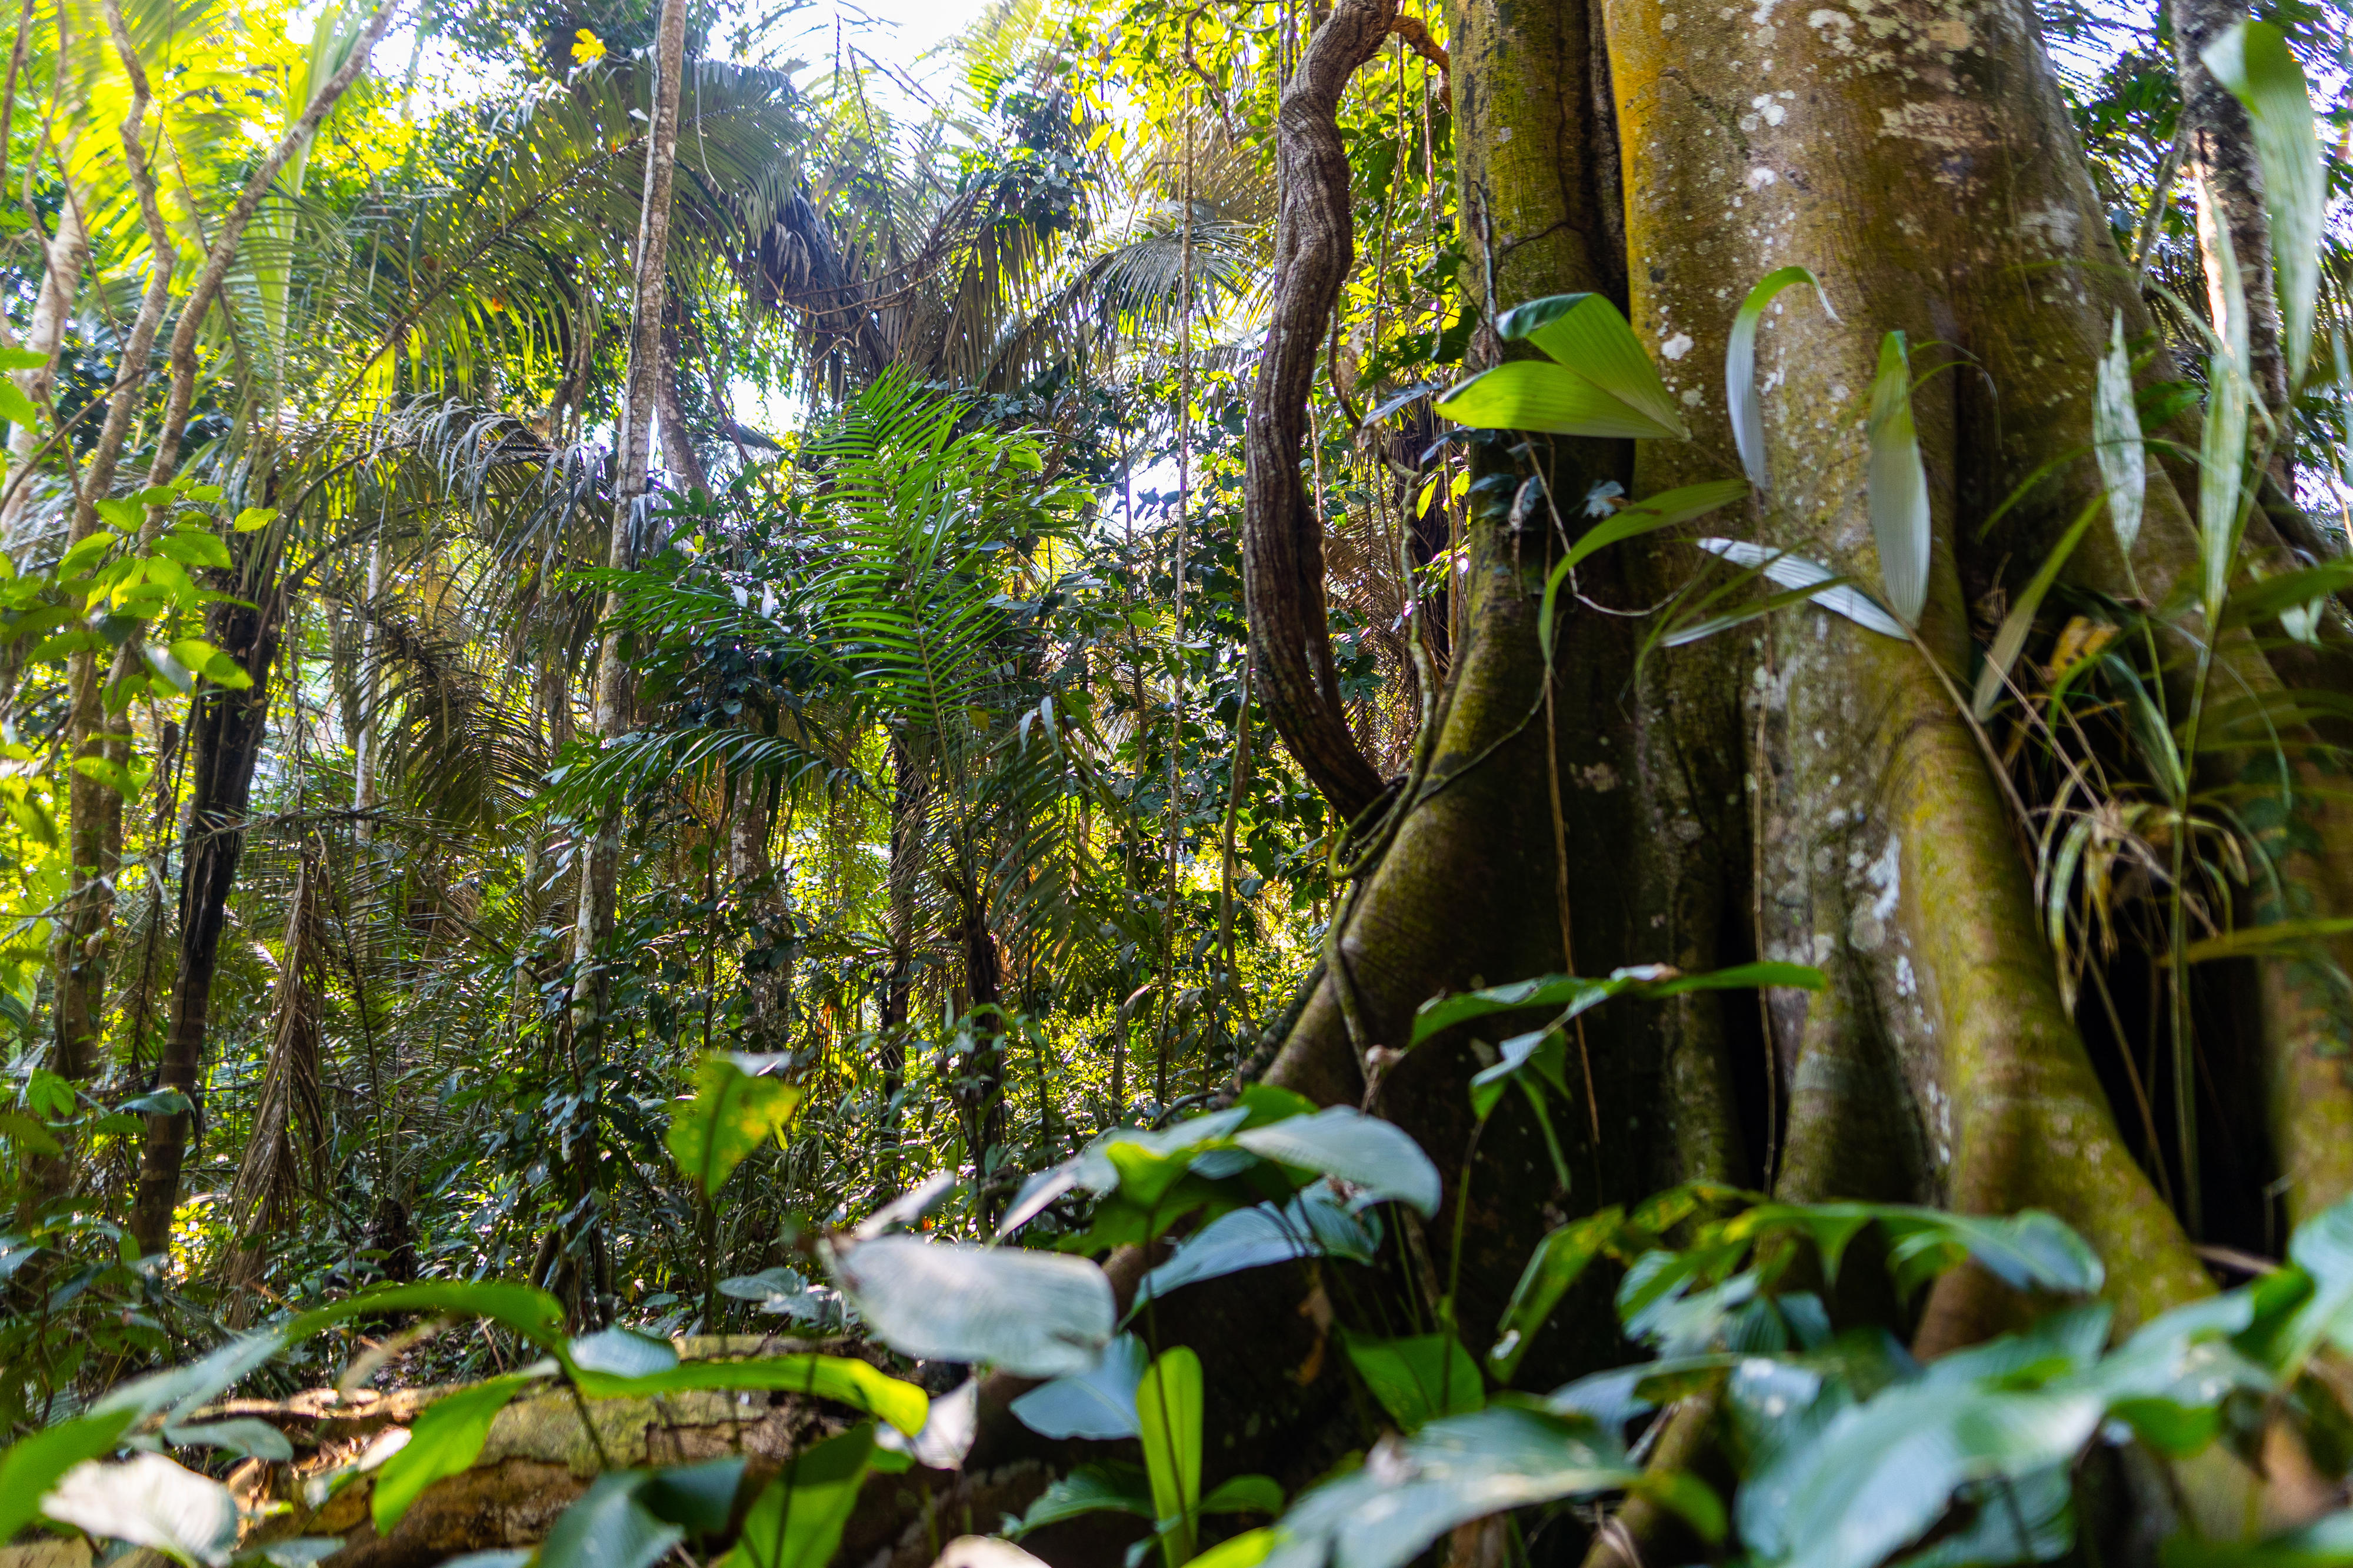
(1529, 395)
(1740, 366)
(2252, 60)
(2117, 437)
(444, 1441)
(730, 1114)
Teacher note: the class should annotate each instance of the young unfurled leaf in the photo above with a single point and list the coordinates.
(2222, 453)
(1740, 396)
(1899, 485)
(729, 1115)
(2116, 441)
(2252, 60)
(1818, 582)
(1168, 1424)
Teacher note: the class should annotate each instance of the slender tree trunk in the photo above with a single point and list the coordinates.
(65, 256)
(910, 793)
(600, 863)
(762, 895)
(2219, 159)
(224, 736)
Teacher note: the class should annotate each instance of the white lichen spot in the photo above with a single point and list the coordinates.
(1691, 398)
(1760, 177)
(1906, 985)
(1670, 22)
(1886, 874)
(1839, 392)
(2052, 226)
(1676, 346)
(1773, 113)
(1502, 135)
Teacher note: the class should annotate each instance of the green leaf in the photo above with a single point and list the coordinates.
(1376, 1157)
(1559, 1261)
(2116, 441)
(843, 1379)
(444, 1441)
(1900, 523)
(2280, 939)
(1740, 397)
(88, 553)
(195, 547)
(122, 514)
(1311, 1225)
(1451, 1472)
(1420, 1379)
(2326, 1542)
(1035, 1314)
(2027, 1250)
(1529, 395)
(253, 518)
(1586, 334)
(1109, 1487)
(2223, 448)
(181, 1389)
(246, 1437)
(620, 1352)
(28, 1134)
(1575, 995)
(1099, 1406)
(699, 1497)
(22, 359)
(1168, 1423)
(797, 1521)
(610, 1527)
(534, 1314)
(2252, 60)
(2011, 640)
(14, 407)
(166, 665)
(30, 1467)
(730, 1113)
(1244, 1494)
(1692, 1499)
(148, 1500)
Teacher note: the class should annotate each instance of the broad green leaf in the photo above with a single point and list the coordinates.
(1529, 395)
(1099, 1406)
(1559, 1261)
(1740, 397)
(14, 407)
(1244, 1494)
(1109, 1487)
(1586, 334)
(729, 1115)
(22, 359)
(610, 1527)
(1573, 994)
(163, 663)
(534, 1314)
(797, 1521)
(1453, 1470)
(1818, 582)
(2011, 640)
(2116, 441)
(444, 1441)
(193, 547)
(1378, 1156)
(1900, 523)
(1311, 1225)
(253, 518)
(2027, 1250)
(1418, 1379)
(1033, 1313)
(1661, 511)
(148, 1500)
(124, 515)
(2252, 60)
(29, 1467)
(88, 553)
(699, 1497)
(1168, 1424)
(620, 1352)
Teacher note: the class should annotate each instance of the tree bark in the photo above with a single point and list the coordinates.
(65, 256)
(760, 895)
